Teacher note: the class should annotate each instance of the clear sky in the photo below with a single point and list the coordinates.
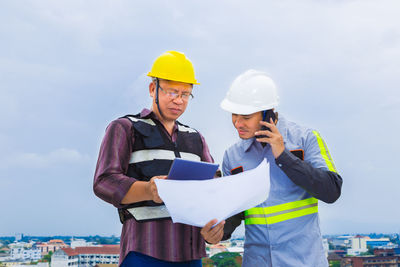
(68, 68)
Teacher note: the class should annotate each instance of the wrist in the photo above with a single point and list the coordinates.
(147, 190)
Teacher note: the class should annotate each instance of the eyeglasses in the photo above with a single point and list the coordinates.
(173, 94)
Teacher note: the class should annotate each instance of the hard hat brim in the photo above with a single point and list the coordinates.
(240, 109)
(166, 77)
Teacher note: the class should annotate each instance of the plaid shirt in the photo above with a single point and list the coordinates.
(160, 239)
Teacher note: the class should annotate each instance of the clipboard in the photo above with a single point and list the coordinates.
(182, 169)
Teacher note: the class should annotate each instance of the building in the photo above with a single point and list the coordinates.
(239, 250)
(333, 258)
(379, 243)
(81, 243)
(358, 245)
(370, 261)
(384, 252)
(52, 246)
(39, 264)
(85, 256)
(217, 248)
(22, 251)
(18, 237)
(341, 241)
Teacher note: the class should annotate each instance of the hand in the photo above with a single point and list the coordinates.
(151, 189)
(213, 235)
(274, 138)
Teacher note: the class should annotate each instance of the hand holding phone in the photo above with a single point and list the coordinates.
(267, 116)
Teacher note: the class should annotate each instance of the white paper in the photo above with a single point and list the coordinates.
(198, 202)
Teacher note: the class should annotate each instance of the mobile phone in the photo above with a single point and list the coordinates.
(267, 115)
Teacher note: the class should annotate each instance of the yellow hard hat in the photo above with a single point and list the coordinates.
(173, 66)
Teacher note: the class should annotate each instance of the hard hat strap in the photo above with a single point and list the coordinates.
(157, 102)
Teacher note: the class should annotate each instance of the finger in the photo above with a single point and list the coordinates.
(264, 132)
(204, 231)
(263, 140)
(159, 177)
(219, 227)
(273, 127)
(265, 123)
(216, 229)
(216, 233)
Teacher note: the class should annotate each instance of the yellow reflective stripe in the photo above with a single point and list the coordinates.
(292, 215)
(252, 211)
(325, 152)
(282, 212)
(262, 220)
(282, 217)
(281, 207)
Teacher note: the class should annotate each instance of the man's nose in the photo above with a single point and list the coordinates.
(238, 123)
(179, 99)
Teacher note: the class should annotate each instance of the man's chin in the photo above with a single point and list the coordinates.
(245, 136)
(174, 116)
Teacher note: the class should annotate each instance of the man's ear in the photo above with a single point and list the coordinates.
(152, 89)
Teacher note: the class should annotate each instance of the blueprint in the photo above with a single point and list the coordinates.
(198, 202)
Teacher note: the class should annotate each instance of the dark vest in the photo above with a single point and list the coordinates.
(153, 150)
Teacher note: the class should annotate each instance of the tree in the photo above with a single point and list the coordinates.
(207, 262)
(226, 258)
(228, 262)
(48, 256)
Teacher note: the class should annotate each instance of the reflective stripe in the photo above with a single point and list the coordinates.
(148, 121)
(151, 122)
(186, 129)
(152, 154)
(325, 152)
(148, 213)
(282, 212)
(190, 156)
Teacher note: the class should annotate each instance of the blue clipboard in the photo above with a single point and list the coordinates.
(182, 169)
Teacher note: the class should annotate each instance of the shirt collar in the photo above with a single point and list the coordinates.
(281, 125)
(247, 143)
(147, 113)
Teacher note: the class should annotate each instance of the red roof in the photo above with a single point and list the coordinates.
(69, 251)
(109, 249)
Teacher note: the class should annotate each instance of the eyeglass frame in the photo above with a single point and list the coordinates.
(175, 95)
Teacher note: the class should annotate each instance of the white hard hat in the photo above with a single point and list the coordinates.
(250, 92)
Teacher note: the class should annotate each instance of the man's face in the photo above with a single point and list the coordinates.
(247, 125)
(171, 97)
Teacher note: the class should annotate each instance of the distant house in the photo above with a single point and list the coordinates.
(217, 248)
(52, 246)
(239, 250)
(22, 251)
(358, 245)
(81, 243)
(379, 242)
(360, 261)
(86, 256)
